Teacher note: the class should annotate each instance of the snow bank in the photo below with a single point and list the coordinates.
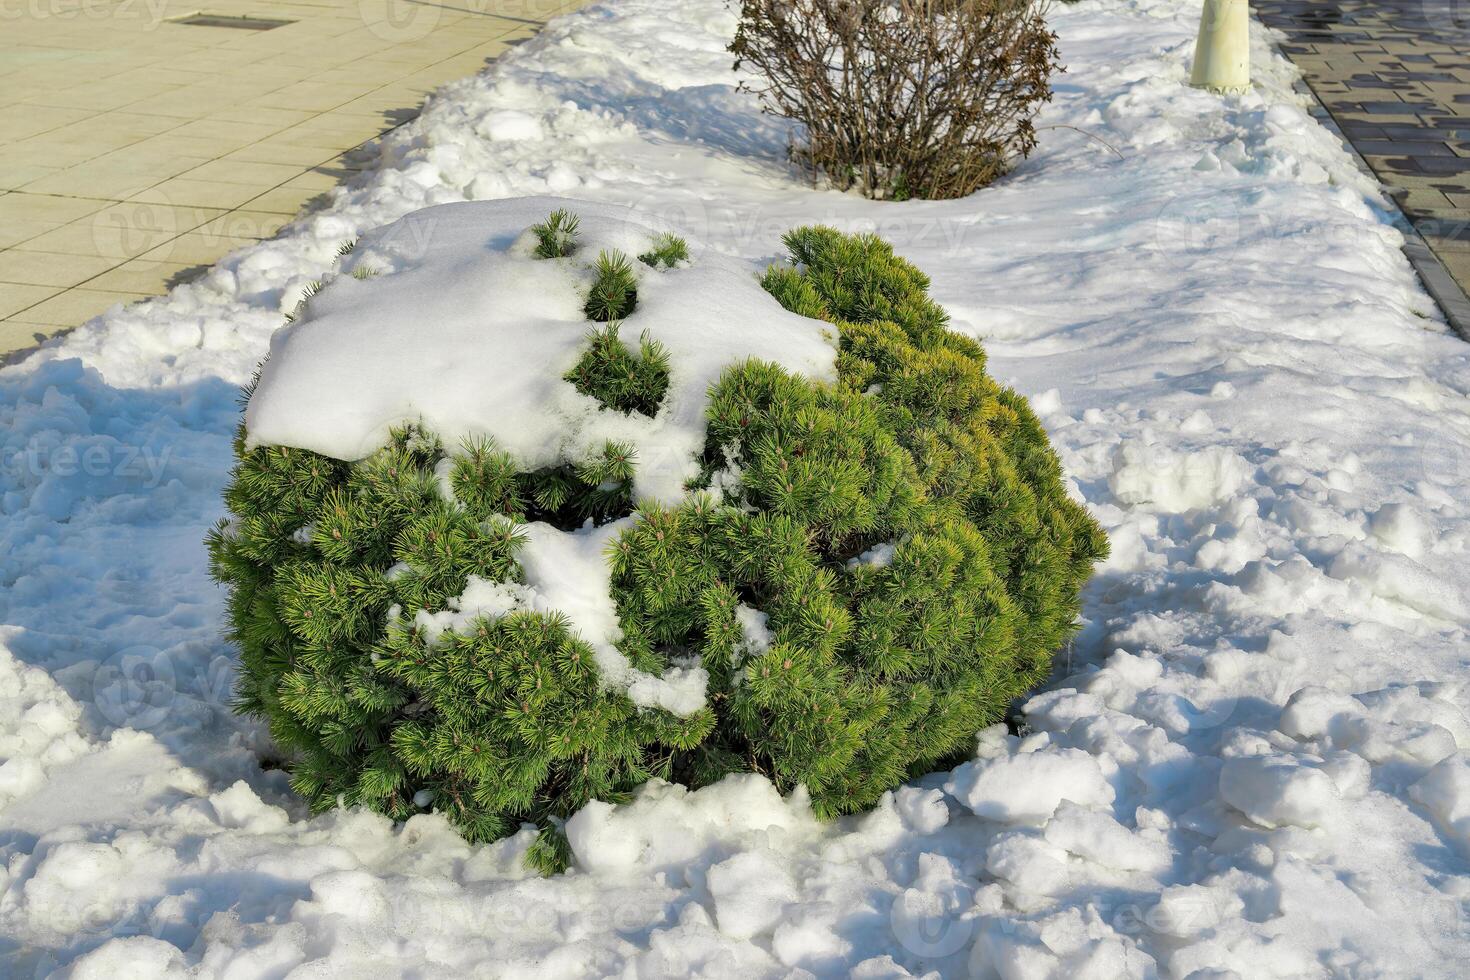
(1278, 792)
(1014, 781)
(750, 891)
(1250, 762)
(1445, 791)
(38, 728)
(1173, 481)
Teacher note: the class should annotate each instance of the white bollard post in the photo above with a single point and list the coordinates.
(1222, 53)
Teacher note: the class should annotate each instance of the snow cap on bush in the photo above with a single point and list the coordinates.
(555, 504)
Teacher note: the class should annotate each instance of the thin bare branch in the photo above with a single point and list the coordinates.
(903, 98)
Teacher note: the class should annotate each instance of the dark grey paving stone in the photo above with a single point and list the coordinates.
(1397, 131)
(1413, 148)
(1443, 165)
(1396, 108)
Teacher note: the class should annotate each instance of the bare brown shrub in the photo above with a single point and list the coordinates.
(903, 98)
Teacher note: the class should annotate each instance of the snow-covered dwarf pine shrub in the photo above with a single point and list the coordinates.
(492, 557)
(903, 98)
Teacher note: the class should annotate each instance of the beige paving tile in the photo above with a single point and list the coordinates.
(309, 96)
(169, 144)
(230, 134)
(314, 180)
(303, 62)
(300, 155)
(98, 96)
(387, 107)
(16, 335)
(14, 176)
(15, 297)
(32, 57)
(213, 239)
(115, 60)
(284, 200)
(93, 179)
(243, 225)
(76, 306)
(114, 242)
(215, 60)
(14, 232)
(123, 230)
(200, 193)
(345, 47)
(166, 73)
(63, 154)
(20, 119)
(343, 127)
(264, 76)
(135, 150)
(260, 116)
(147, 219)
(187, 103)
(26, 79)
(195, 248)
(364, 74)
(143, 276)
(122, 123)
(255, 173)
(50, 268)
(353, 161)
(20, 206)
(158, 161)
(477, 59)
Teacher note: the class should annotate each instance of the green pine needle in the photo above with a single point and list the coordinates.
(668, 251)
(609, 372)
(556, 237)
(614, 292)
(551, 852)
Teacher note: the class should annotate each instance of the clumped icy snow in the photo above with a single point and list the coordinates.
(465, 330)
(1251, 763)
(570, 575)
(566, 574)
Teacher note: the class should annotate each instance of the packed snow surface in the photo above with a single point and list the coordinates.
(1251, 763)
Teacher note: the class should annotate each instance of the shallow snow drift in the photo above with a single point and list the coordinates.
(1251, 763)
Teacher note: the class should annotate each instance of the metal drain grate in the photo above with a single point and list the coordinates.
(225, 20)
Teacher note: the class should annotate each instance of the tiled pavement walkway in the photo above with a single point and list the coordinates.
(1395, 75)
(135, 149)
